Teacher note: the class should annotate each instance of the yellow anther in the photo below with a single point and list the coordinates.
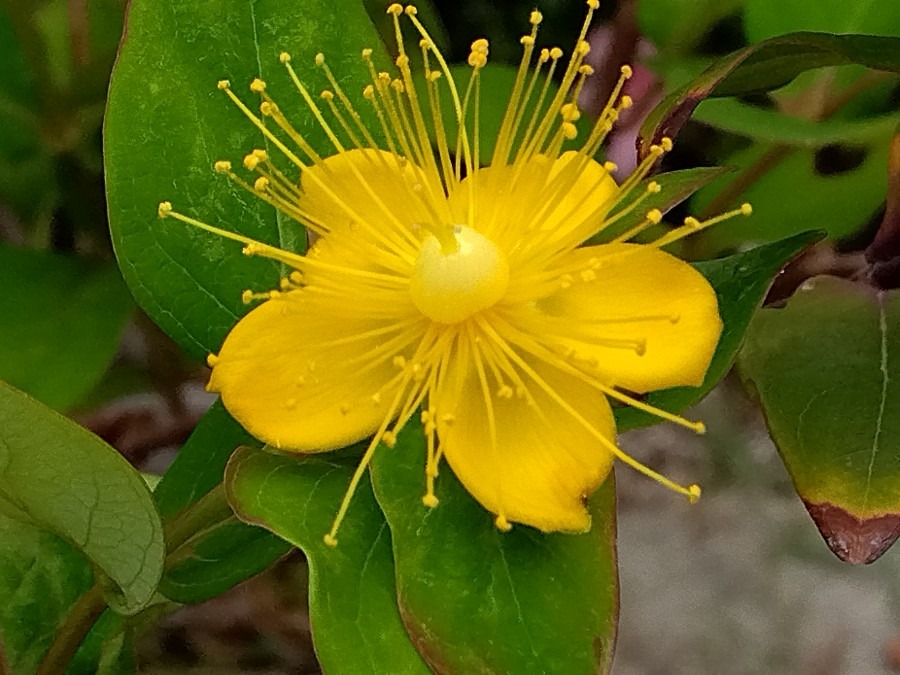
(251, 161)
(376, 398)
(570, 131)
(329, 540)
(296, 278)
(656, 150)
(164, 209)
(284, 57)
(690, 221)
(480, 45)
(593, 4)
(526, 40)
(327, 95)
(369, 92)
(666, 143)
(261, 184)
(411, 10)
(319, 59)
(389, 438)
(611, 167)
(212, 360)
(367, 53)
(434, 75)
(267, 108)
(556, 53)
(261, 154)
(402, 61)
(569, 112)
(699, 427)
(586, 70)
(223, 84)
(654, 216)
(583, 48)
(588, 275)
(397, 85)
(247, 297)
(222, 166)
(430, 501)
(257, 86)
(505, 391)
(654, 188)
(544, 55)
(626, 102)
(746, 209)
(396, 9)
(399, 361)
(627, 71)
(694, 493)
(535, 18)
(502, 524)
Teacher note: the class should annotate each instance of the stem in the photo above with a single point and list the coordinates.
(209, 510)
(72, 632)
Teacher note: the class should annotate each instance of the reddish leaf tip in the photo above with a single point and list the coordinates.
(854, 540)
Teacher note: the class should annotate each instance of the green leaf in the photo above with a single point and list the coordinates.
(764, 66)
(353, 607)
(41, 577)
(218, 559)
(70, 482)
(741, 282)
(771, 126)
(58, 367)
(476, 600)
(768, 18)
(166, 124)
(230, 552)
(826, 369)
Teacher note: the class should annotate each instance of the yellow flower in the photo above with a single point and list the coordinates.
(463, 293)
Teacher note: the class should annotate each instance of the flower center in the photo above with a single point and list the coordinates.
(449, 287)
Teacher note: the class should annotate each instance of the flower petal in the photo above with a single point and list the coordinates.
(372, 186)
(544, 463)
(539, 195)
(299, 375)
(629, 292)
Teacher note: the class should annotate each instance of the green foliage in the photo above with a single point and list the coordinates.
(58, 367)
(60, 477)
(41, 576)
(741, 282)
(477, 600)
(353, 609)
(827, 373)
(178, 273)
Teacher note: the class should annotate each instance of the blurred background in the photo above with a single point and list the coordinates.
(739, 583)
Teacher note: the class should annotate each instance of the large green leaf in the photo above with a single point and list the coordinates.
(41, 577)
(58, 367)
(226, 552)
(827, 371)
(769, 18)
(477, 600)
(166, 124)
(741, 282)
(353, 606)
(70, 482)
(764, 66)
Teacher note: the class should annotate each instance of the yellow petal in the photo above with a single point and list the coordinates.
(361, 189)
(638, 295)
(541, 194)
(298, 375)
(544, 462)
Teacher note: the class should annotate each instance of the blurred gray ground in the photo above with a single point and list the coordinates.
(738, 584)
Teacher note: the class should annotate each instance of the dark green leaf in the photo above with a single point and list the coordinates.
(69, 481)
(353, 606)
(58, 367)
(827, 371)
(741, 282)
(769, 18)
(764, 66)
(676, 26)
(166, 124)
(477, 600)
(41, 577)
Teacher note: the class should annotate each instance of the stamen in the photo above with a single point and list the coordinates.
(692, 225)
